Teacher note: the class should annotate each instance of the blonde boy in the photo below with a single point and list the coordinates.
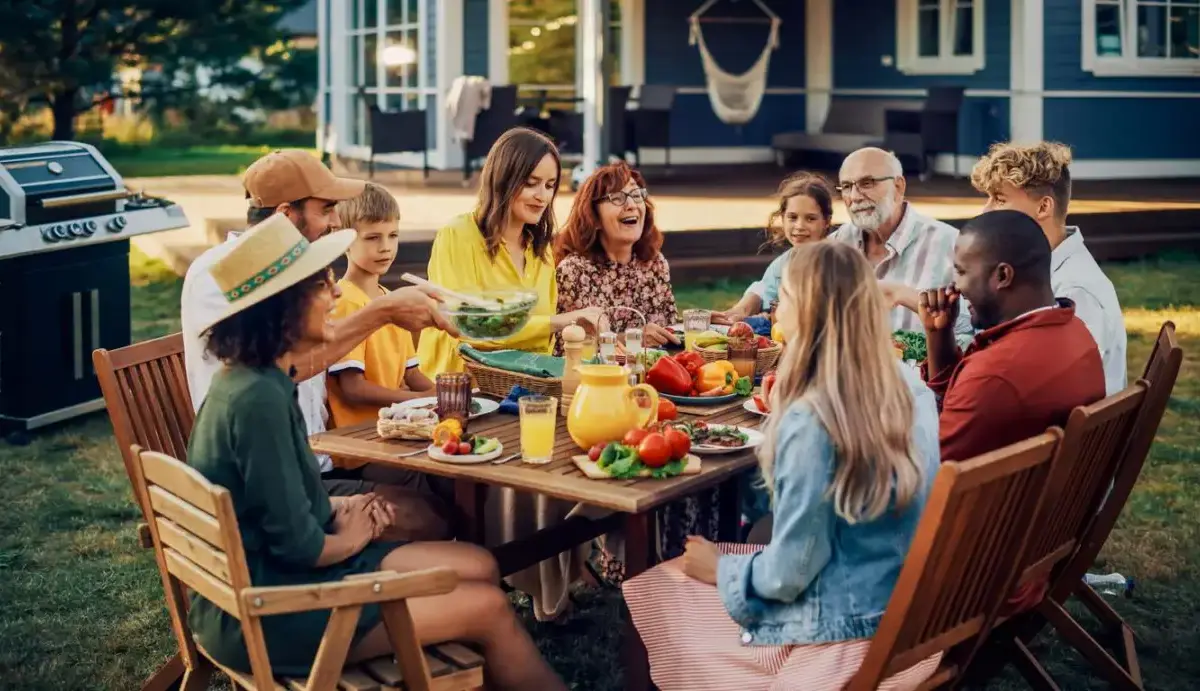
(382, 369)
(1036, 180)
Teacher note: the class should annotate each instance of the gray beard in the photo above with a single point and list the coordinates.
(874, 219)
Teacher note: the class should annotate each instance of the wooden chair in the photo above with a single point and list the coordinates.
(1160, 373)
(962, 561)
(197, 544)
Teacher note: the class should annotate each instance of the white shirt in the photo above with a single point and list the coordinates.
(1074, 274)
(201, 300)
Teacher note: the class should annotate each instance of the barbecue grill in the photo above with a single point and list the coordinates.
(65, 222)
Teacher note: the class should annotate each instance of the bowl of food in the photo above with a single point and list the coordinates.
(491, 315)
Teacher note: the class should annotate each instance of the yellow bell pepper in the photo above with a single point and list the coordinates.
(716, 378)
(776, 333)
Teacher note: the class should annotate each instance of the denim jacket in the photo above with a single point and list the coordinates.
(823, 579)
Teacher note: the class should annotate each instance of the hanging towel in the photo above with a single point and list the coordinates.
(735, 98)
(467, 97)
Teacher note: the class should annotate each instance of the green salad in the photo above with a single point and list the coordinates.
(913, 343)
(482, 323)
(621, 462)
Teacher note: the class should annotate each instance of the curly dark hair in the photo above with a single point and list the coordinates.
(261, 334)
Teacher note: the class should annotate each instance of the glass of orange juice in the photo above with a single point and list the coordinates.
(539, 416)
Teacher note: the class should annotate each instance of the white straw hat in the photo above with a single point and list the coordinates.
(268, 259)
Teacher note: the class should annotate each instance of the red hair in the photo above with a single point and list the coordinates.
(581, 233)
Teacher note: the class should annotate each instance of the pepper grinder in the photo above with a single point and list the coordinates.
(573, 337)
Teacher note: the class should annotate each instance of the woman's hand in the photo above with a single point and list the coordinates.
(655, 336)
(700, 559)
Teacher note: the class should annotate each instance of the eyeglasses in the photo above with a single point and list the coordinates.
(638, 195)
(864, 185)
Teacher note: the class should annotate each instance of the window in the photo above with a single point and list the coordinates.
(939, 36)
(385, 56)
(1141, 37)
(542, 55)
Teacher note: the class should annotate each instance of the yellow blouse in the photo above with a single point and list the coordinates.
(459, 260)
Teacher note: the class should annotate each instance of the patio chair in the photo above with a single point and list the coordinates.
(962, 562)
(197, 544)
(395, 131)
(1160, 372)
(1094, 445)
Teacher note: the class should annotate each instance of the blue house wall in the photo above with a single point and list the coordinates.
(735, 47)
(475, 37)
(1114, 126)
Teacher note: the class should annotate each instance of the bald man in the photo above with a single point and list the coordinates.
(910, 251)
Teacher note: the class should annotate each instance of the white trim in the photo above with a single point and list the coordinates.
(818, 61)
(323, 91)
(693, 155)
(1025, 107)
(1092, 169)
(633, 42)
(907, 59)
(771, 90)
(498, 41)
(1122, 94)
(347, 364)
(1128, 64)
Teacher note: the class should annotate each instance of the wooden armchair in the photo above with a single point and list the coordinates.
(197, 544)
(961, 563)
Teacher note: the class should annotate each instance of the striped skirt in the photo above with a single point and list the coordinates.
(694, 645)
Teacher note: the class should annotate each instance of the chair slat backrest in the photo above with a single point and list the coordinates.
(1161, 371)
(1094, 441)
(146, 392)
(197, 544)
(963, 558)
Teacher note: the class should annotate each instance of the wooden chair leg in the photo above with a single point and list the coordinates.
(1081, 640)
(197, 678)
(166, 677)
(1098, 606)
(1129, 649)
(1035, 675)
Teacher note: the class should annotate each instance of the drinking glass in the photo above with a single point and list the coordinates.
(744, 357)
(454, 396)
(695, 322)
(539, 416)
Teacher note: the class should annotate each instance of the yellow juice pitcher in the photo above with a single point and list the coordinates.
(605, 406)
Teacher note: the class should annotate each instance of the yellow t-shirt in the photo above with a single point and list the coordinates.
(459, 260)
(383, 359)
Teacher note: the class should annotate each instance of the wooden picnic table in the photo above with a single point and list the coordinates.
(632, 502)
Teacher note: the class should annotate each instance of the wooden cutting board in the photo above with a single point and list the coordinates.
(593, 470)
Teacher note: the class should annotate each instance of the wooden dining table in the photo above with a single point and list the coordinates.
(632, 502)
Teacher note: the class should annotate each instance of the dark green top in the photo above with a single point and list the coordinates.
(250, 438)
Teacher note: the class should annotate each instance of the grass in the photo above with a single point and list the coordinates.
(83, 604)
(152, 161)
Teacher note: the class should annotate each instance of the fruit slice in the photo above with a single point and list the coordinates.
(446, 431)
(486, 446)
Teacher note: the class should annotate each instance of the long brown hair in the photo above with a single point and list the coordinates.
(581, 234)
(839, 362)
(509, 164)
(800, 184)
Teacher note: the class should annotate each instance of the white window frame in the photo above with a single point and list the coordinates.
(908, 58)
(1129, 63)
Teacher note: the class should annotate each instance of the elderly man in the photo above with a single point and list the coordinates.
(294, 183)
(910, 251)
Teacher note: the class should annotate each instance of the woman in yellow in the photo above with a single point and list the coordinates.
(504, 244)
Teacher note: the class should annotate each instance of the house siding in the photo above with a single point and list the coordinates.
(1124, 128)
(670, 60)
(475, 37)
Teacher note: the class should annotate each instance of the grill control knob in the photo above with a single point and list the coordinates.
(48, 234)
(89, 227)
(76, 229)
(117, 224)
(62, 232)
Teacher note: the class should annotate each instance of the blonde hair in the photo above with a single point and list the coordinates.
(1041, 169)
(840, 364)
(374, 205)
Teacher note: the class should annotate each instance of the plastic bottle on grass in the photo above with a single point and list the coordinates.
(1110, 584)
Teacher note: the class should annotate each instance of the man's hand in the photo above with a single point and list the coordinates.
(414, 308)
(726, 318)
(700, 559)
(900, 295)
(655, 336)
(938, 308)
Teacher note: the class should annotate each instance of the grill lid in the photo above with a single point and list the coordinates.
(42, 183)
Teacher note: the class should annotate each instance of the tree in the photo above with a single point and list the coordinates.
(66, 53)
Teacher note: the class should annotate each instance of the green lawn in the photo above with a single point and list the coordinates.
(82, 604)
(151, 161)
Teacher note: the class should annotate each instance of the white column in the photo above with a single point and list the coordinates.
(591, 50)
(1027, 71)
(323, 41)
(818, 62)
(449, 67)
(498, 42)
(633, 42)
(339, 50)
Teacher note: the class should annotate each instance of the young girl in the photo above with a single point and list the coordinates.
(804, 215)
(850, 456)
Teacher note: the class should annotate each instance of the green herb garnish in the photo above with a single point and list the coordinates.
(913, 343)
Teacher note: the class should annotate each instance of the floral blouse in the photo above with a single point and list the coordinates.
(645, 286)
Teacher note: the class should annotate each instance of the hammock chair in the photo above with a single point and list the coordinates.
(735, 98)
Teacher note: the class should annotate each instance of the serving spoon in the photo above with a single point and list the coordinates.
(461, 297)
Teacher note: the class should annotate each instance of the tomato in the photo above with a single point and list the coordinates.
(595, 451)
(634, 437)
(464, 448)
(679, 442)
(654, 450)
(760, 403)
(667, 410)
(450, 448)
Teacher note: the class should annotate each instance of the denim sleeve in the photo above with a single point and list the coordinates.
(768, 287)
(801, 542)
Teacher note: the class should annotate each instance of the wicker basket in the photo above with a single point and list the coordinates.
(768, 358)
(498, 382)
(402, 429)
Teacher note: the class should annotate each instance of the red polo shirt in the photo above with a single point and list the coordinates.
(1015, 380)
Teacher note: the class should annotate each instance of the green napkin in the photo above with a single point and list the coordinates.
(519, 361)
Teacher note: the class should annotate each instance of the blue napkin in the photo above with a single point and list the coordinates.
(761, 325)
(509, 404)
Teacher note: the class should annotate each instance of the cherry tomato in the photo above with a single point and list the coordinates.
(654, 450)
(634, 437)
(667, 410)
(595, 451)
(760, 403)
(464, 448)
(679, 442)
(450, 448)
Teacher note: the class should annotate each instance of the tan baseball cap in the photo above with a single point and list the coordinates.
(285, 175)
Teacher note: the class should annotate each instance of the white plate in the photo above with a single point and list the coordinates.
(749, 407)
(435, 452)
(486, 405)
(753, 439)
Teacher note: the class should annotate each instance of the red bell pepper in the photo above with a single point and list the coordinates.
(691, 361)
(669, 377)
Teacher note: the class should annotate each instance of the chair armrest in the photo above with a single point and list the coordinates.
(361, 589)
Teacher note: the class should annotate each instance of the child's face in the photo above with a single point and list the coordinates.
(803, 221)
(374, 249)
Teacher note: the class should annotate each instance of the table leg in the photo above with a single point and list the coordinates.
(640, 555)
(470, 499)
(729, 510)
